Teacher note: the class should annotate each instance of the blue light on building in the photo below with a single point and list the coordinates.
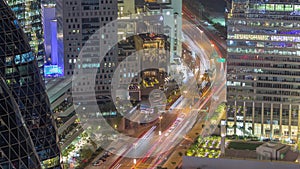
(53, 71)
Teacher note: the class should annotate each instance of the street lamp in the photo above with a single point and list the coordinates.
(159, 132)
(185, 92)
(201, 33)
(134, 162)
(212, 49)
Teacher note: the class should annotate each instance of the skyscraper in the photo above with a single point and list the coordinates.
(171, 11)
(28, 13)
(19, 69)
(263, 78)
(77, 21)
(16, 146)
(50, 34)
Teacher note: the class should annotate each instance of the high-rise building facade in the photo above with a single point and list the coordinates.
(48, 20)
(126, 8)
(127, 73)
(77, 21)
(16, 146)
(19, 69)
(172, 20)
(28, 13)
(263, 78)
(54, 65)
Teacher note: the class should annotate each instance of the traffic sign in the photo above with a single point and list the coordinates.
(221, 60)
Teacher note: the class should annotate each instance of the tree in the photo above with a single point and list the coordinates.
(251, 129)
(243, 129)
(234, 127)
(86, 153)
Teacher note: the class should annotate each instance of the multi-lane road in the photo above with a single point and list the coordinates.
(154, 146)
(153, 149)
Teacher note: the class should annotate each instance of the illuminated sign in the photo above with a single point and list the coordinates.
(251, 37)
(221, 60)
(266, 37)
(223, 122)
(52, 70)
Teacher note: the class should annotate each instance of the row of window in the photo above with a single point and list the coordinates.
(94, 13)
(270, 59)
(263, 23)
(261, 44)
(89, 2)
(261, 97)
(270, 72)
(263, 64)
(100, 88)
(246, 50)
(280, 7)
(264, 37)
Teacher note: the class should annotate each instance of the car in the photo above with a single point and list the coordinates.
(97, 163)
(105, 155)
(161, 87)
(182, 116)
(222, 37)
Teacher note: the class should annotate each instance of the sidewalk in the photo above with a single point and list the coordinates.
(183, 146)
(175, 159)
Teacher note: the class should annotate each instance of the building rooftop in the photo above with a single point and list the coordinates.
(156, 6)
(57, 86)
(125, 45)
(275, 146)
(151, 36)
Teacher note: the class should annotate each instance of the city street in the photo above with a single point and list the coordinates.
(155, 146)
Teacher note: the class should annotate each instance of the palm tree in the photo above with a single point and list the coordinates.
(243, 129)
(234, 127)
(251, 129)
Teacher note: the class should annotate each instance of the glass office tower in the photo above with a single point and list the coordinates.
(16, 146)
(263, 80)
(28, 13)
(19, 69)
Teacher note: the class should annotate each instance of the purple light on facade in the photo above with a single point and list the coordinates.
(52, 71)
(292, 32)
(54, 50)
(48, 14)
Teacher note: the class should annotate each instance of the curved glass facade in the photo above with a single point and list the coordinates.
(16, 146)
(19, 69)
(28, 13)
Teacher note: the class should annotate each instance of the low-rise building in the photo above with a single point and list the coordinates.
(68, 125)
(275, 152)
